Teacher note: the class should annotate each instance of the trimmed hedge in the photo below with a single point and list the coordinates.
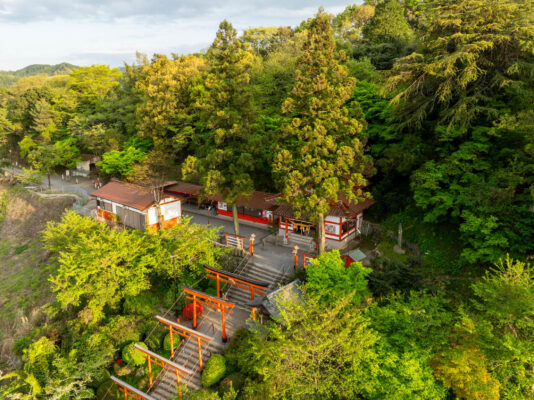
(214, 371)
(132, 356)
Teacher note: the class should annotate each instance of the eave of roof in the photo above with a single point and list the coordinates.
(125, 193)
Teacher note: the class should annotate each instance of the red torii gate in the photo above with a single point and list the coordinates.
(130, 391)
(180, 371)
(253, 286)
(211, 301)
(186, 333)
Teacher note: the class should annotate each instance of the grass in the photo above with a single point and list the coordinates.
(20, 249)
(24, 286)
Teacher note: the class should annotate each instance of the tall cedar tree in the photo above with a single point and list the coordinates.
(225, 157)
(466, 102)
(321, 153)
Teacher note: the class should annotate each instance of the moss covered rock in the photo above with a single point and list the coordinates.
(132, 356)
(214, 371)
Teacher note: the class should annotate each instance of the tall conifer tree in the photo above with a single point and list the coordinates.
(224, 158)
(322, 151)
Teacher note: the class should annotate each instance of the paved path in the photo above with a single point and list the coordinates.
(265, 254)
(79, 185)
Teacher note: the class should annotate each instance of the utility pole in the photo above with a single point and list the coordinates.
(177, 314)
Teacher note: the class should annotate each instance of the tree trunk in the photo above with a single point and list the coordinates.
(320, 234)
(236, 220)
(48, 181)
(160, 217)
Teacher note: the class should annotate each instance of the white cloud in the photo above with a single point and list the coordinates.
(109, 32)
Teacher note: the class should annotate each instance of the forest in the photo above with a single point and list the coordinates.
(424, 106)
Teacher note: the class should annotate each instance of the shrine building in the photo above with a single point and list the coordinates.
(134, 206)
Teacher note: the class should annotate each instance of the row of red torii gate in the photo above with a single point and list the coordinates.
(202, 340)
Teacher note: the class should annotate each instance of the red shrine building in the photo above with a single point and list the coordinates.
(256, 208)
(134, 206)
(342, 223)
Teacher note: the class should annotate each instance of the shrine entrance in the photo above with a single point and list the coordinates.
(224, 307)
(302, 227)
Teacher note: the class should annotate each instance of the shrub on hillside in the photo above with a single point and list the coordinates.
(132, 356)
(235, 380)
(176, 339)
(214, 371)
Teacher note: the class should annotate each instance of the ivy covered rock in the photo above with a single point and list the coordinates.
(132, 356)
(214, 371)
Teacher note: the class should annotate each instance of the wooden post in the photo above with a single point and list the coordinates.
(295, 257)
(218, 287)
(224, 338)
(287, 230)
(251, 244)
(149, 371)
(194, 312)
(125, 394)
(179, 385)
(199, 354)
(253, 313)
(172, 343)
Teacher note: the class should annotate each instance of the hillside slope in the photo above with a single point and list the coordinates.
(24, 287)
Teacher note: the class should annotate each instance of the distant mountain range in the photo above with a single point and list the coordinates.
(8, 78)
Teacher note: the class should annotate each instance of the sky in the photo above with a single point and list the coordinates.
(86, 32)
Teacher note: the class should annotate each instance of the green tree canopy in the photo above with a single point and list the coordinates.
(321, 153)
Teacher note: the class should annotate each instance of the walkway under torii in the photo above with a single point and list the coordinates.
(223, 306)
(185, 332)
(255, 287)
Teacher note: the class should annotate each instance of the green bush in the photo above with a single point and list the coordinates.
(122, 330)
(214, 371)
(153, 342)
(101, 376)
(108, 390)
(235, 380)
(203, 395)
(235, 353)
(211, 291)
(141, 304)
(21, 344)
(176, 339)
(133, 356)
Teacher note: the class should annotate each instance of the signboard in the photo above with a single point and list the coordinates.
(222, 206)
(171, 210)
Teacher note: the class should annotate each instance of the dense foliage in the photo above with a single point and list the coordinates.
(426, 104)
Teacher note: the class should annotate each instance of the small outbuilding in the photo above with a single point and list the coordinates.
(135, 206)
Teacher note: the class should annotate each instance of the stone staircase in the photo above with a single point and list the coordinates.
(164, 387)
(305, 243)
